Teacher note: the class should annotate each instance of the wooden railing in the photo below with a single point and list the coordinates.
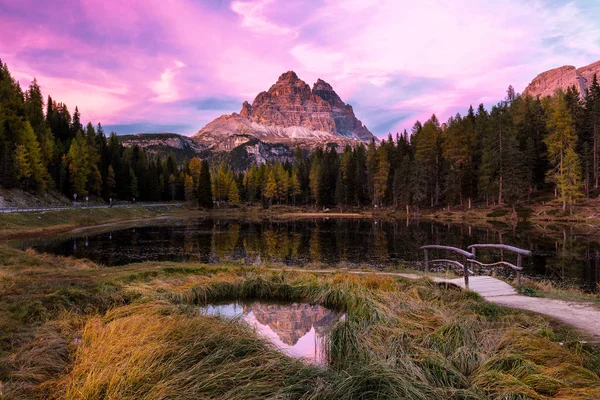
(470, 257)
(465, 255)
(502, 247)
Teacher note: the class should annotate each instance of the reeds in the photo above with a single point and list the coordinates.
(135, 332)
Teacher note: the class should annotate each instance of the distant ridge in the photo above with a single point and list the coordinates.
(546, 83)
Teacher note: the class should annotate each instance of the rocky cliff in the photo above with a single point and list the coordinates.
(292, 321)
(290, 113)
(546, 83)
(346, 123)
(165, 143)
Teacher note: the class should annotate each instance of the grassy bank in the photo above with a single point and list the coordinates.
(31, 224)
(72, 329)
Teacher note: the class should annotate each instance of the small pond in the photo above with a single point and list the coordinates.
(297, 329)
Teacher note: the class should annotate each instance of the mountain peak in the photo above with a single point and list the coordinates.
(291, 112)
(546, 83)
(320, 84)
(289, 76)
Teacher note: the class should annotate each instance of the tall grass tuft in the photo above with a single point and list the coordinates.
(134, 332)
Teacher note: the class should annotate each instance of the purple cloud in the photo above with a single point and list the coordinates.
(181, 63)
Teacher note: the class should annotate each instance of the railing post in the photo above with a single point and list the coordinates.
(519, 265)
(466, 272)
(426, 262)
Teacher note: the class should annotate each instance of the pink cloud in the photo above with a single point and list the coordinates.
(150, 61)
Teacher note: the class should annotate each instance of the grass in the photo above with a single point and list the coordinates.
(31, 224)
(551, 290)
(72, 329)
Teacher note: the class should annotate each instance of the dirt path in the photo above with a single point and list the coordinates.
(580, 315)
(323, 215)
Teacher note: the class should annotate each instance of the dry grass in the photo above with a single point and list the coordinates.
(548, 289)
(134, 332)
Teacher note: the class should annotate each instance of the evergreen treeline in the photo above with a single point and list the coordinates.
(54, 150)
(501, 156)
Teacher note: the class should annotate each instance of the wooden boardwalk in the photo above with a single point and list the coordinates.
(580, 315)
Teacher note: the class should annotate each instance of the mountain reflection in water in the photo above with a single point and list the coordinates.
(296, 329)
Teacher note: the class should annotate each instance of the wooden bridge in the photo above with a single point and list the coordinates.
(581, 315)
(467, 260)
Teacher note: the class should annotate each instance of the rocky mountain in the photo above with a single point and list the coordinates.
(289, 113)
(238, 151)
(165, 143)
(292, 321)
(546, 83)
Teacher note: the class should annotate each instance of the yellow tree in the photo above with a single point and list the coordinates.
(561, 142)
(79, 165)
(381, 176)
(30, 169)
(270, 191)
(188, 187)
(195, 166)
(429, 154)
(234, 194)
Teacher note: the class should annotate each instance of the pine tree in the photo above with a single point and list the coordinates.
(111, 181)
(34, 111)
(133, 185)
(205, 196)
(340, 190)
(295, 188)
(315, 179)
(172, 186)
(76, 125)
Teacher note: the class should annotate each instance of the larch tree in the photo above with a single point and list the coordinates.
(429, 155)
(381, 176)
(188, 188)
(79, 165)
(270, 191)
(561, 141)
(234, 194)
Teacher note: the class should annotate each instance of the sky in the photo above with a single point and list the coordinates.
(175, 65)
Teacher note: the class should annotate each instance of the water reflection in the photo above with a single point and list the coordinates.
(297, 329)
(560, 253)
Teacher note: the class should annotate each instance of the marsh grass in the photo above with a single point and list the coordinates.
(31, 224)
(135, 332)
(548, 289)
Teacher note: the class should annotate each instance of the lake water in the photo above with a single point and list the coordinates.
(297, 329)
(560, 254)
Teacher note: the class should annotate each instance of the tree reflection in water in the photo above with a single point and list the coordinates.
(561, 254)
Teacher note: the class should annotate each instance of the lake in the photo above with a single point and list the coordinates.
(560, 253)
